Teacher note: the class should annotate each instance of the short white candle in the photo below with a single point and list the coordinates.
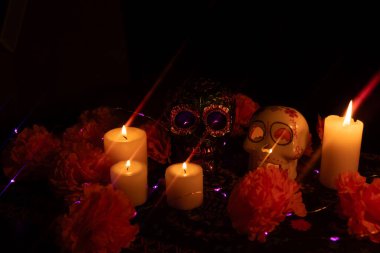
(341, 143)
(184, 185)
(132, 178)
(126, 143)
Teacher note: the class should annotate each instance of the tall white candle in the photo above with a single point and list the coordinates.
(132, 178)
(126, 143)
(341, 143)
(184, 185)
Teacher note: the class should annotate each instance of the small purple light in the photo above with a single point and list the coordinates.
(218, 189)
(12, 181)
(77, 202)
(266, 233)
(289, 214)
(141, 114)
(316, 171)
(81, 130)
(334, 238)
(16, 131)
(134, 214)
(155, 187)
(224, 194)
(224, 143)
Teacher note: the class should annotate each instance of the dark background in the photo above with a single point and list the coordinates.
(77, 55)
(73, 55)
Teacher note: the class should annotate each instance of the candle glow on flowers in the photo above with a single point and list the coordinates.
(262, 200)
(360, 203)
(80, 227)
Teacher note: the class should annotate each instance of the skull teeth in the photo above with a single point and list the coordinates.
(204, 151)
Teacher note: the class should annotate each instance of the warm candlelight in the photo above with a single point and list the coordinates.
(124, 143)
(340, 147)
(184, 185)
(132, 178)
(124, 132)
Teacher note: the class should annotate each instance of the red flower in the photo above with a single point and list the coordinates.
(245, 108)
(100, 222)
(159, 146)
(91, 128)
(349, 186)
(261, 201)
(35, 148)
(360, 203)
(89, 132)
(371, 197)
(79, 164)
(300, 225)
(102, 115)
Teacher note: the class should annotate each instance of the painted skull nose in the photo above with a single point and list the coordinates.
(266, 149)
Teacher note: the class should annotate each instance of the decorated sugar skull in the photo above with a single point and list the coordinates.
(277, 135)
(200, 121)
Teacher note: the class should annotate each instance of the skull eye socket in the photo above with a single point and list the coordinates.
(281, 133)
(183, 120)
(217, 119)
(257, 131)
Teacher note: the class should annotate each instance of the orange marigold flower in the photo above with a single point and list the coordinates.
(37, 149)
(261, 201)
(79, 164)
(159, 146)
(360, 203)
(100, 222)
(245, 107)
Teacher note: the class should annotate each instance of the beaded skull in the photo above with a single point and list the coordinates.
(200, 121)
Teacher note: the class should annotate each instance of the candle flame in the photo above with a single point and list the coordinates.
(124, 131)
(347, 117)
(184, 167)
(128, 164)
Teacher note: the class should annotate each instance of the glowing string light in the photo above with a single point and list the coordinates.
(12, 181)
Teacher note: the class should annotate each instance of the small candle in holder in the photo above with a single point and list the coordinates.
(132, 178)
(184, 185)
(341, 143)
(126, 143)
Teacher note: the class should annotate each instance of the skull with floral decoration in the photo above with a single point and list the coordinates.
(277, 135)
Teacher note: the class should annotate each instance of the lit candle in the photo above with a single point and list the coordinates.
(184, 185)
(132, 178)
(121, 144)
(341, 143)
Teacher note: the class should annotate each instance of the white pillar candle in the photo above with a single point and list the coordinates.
(341, 143)
(184, 185)
(130, 144)
(132, 178)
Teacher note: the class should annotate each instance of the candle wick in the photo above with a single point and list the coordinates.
(125, 137)
(184, 170)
